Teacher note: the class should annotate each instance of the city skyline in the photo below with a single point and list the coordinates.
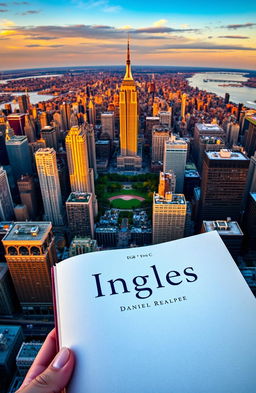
(37, 34)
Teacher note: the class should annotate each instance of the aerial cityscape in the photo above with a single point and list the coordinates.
(117, 141)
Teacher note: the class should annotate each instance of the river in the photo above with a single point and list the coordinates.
(34, 96)
(210, 82)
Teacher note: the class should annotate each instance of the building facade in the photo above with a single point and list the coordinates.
(128, 104)
(30, 254)
(47, 170)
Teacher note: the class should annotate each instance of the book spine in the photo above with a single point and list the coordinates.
(54, 298)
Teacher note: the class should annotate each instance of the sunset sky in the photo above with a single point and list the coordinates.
(77, 33)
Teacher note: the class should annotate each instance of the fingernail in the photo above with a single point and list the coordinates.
(61, 358)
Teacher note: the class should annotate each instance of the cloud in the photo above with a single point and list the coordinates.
(160, 23)
(89, 31)
(112, 8)
(21, 3)
(102, 5)
(239, 26)
(41, 38)
(43, 46)
(1, 10)
(3, 4)
(7, 23)
(239, 37)
(31, 12)
(205, 45)
(163, 29)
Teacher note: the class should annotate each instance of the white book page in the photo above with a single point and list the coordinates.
(196, 334)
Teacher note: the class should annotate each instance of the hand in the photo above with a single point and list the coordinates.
(49, 373)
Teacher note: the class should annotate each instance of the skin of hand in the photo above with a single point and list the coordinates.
(50, 372)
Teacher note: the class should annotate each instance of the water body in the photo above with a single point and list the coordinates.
(210, 82)
(34, 96)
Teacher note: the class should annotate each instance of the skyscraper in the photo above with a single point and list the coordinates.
(169, 217)
(160, 134)
(128, 103)
(30, 253)
(108, 125)
(49, 134)
(17, 122)
(175, 156)
(250, 136)
(78, 163)
(47, 170)
(28, 195)
(24, 103)
(183, 105)
(89, 130)
(167, 183)
(223, 184)
(19, 155)
(6, 203)
(80, 215)
(3, 151)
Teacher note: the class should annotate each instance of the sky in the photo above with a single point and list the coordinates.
(201, 33)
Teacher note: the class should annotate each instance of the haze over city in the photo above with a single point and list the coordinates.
(39, 33)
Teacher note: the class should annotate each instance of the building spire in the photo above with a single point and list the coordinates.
(128, 74)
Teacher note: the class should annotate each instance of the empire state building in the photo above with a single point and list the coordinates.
(128, 103)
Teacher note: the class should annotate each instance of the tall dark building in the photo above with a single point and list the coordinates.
(226, 100)
(28, 195)
(17, 123)
(223, 184)
(250, 137)
(24, 103)
(79, 208)
(3, 151)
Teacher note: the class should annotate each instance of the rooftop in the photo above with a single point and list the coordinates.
(28, 351)
(170, 199)
(225, 228)
(28, 231)
(211, 140)
(225, 154)
(16, 139)
(48, 128)
(8, 336)
(191, 173)
(5, 226)
(79, 197)
(208, 127)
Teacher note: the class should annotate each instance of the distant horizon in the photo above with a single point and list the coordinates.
(48, 33)
(123, 66)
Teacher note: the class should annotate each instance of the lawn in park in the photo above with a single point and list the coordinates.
(122, 204)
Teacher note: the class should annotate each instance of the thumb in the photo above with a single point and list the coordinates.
(55, 377)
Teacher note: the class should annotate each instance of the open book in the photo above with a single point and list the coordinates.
(176, 317)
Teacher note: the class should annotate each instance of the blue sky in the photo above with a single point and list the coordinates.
(78, 32)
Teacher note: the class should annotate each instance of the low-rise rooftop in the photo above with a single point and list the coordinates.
(79, 197)
(28, 231)
(8, 337)
(225, 154)
(204, 127)
(224, 228)
(28, 351)
(170, 199)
